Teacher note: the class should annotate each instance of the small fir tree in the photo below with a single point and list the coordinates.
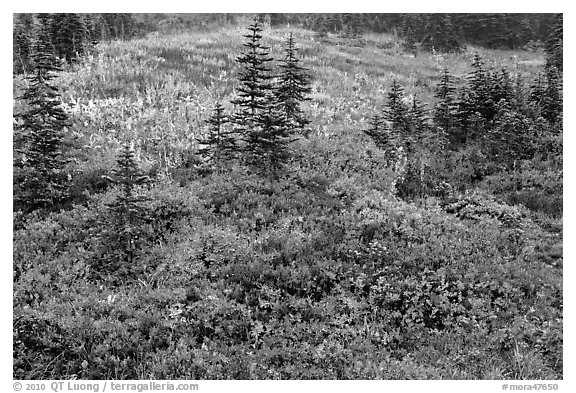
(293, 86)
(537, 90)
(477, 106)
(519, 94)
(501, 87)
(377, 131)
(419, 124)
(128, 216)
(479, 88)
(396, 112)
(445, 109)
(380, 133)
(220, 144)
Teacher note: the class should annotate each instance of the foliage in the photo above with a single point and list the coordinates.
(347, 266)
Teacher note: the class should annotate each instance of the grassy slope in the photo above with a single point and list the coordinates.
(157, 92)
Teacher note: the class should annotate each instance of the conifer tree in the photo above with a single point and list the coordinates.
(334, 23)
(418, 120)
(477, 106)
(43, 32)
(537, 90)
(270, 140)
(554, 43)
(320, 25)
(545, 92)
(40, 131)
(412, 29)
(128, 217)
(439, 34)
(220, 143)
(260, 117)
(69, 35)
(351, 26)
(512, 136)
(255, 81)
(552, 100)
(293, 86)
(445, 108)
(396, 112)
(380, 133)
(519, 95)
(376, 130)
(501, 87)
(22, 43)
(478, 87)
(392, 129)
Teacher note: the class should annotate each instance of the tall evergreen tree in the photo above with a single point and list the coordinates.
(40, 131)
(293, 86)
(260, 117)
(255, 80)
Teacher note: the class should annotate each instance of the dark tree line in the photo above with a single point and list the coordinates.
(443, 32)
(68, 36)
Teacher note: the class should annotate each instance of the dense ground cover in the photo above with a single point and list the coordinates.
(325, 273)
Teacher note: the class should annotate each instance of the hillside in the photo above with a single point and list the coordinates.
(328, 271)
